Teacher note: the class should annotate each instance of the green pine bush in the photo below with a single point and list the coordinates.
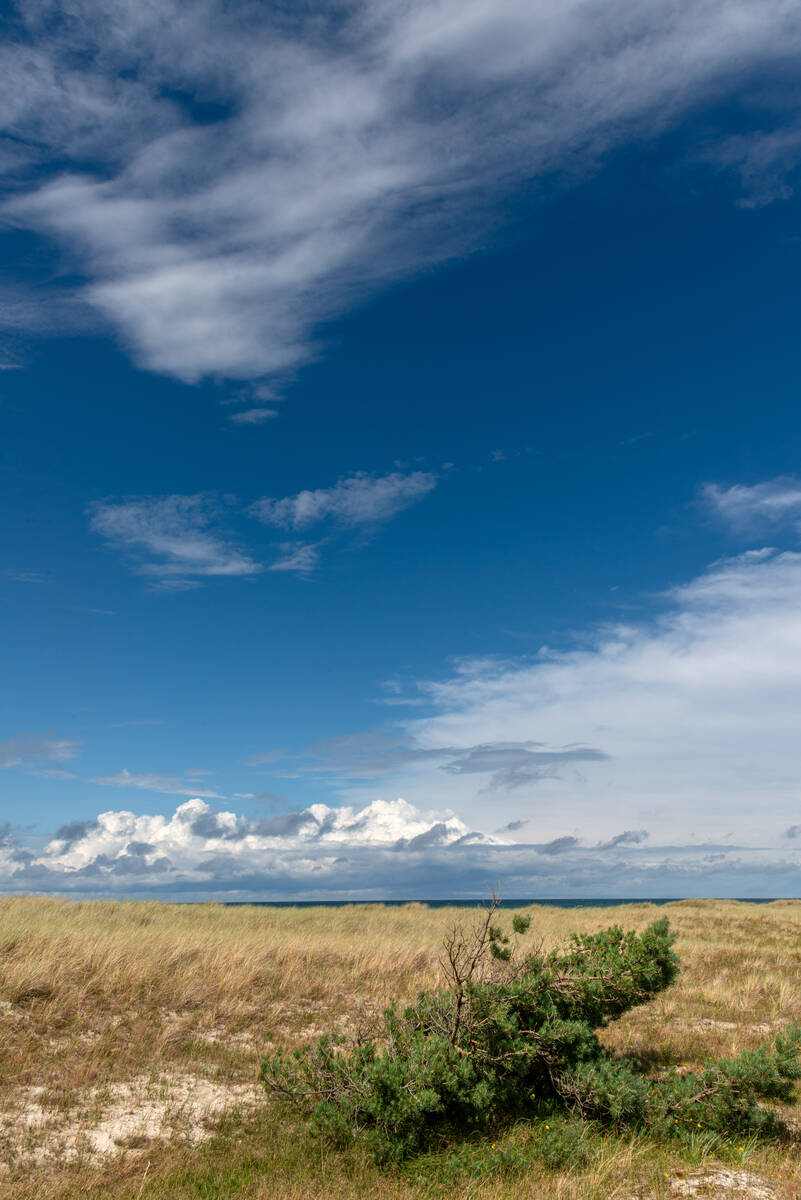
(512, 1033)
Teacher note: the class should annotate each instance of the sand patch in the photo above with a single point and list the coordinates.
(119, 1118)
(721, 1182)
(762, 1027)
(239, 1041)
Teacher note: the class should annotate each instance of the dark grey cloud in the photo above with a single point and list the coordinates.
(793, 831)
(509, 765)
(629, 837)
(283, 825)
(513, 764)
(437, 835)
(426, 871)
(140, 848)
(209, 825)
(212, 825)
(74, 831)
(559, 845)
(513, 826)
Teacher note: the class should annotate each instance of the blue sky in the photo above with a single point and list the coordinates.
(400, 401)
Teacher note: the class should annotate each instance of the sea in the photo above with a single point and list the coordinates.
(515, 902)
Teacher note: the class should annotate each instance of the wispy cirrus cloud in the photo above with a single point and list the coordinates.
(766, 161)
(18, 576)
(253, 416)
(760, 505)
(359, 499)
(170, 538)
(300, 558)
(168, 785)
(27, 748)
(229, 177)
(178, 540)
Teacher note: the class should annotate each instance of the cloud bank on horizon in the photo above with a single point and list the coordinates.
(227, 179)
(389, 849)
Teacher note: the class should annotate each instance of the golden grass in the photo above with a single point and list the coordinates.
(96, 994)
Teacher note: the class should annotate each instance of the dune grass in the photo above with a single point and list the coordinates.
(94, 995)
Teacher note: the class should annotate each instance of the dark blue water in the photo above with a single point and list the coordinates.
(476, 901)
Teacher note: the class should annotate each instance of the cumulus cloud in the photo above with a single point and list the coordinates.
(170, 538)
(27, 748)
(216, 848)
(359, 499)
(227, 177)
(386, 849)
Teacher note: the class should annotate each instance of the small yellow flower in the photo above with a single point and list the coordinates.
(698, 1123)
(547, 1127)
(494, 1145)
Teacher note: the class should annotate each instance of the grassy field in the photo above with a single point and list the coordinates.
(131, 1036)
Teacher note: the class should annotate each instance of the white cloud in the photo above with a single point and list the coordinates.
(300, 557)
(28, 747)
(336, 152)
(765, 160)
(170, 537)
(169, 785)
(24, 576)
(51, 773)
(696, 712)
(388, 848)
(198, 845)
(253, 416)
(761, 505)
(359, 499)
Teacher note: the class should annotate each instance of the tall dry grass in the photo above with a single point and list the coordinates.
(97, 993)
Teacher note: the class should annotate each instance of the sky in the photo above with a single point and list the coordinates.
(399, 449)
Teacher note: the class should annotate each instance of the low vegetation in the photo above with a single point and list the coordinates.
(513, 1036)
(131, 1037)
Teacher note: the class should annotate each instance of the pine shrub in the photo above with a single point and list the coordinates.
(512, 1033)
